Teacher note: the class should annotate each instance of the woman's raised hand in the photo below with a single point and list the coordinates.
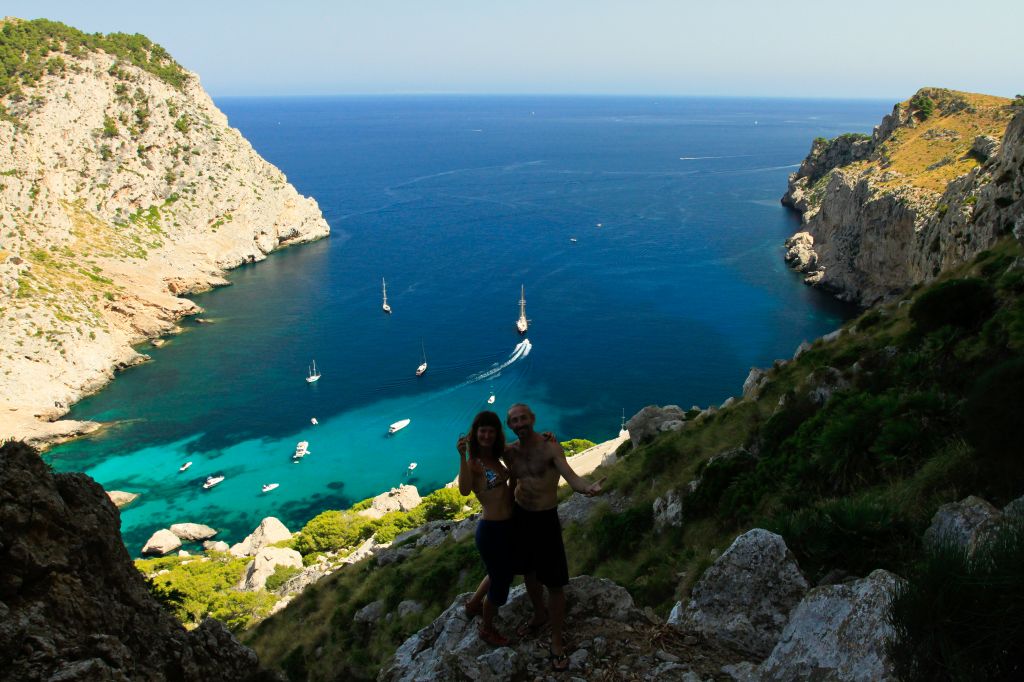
(462, 445)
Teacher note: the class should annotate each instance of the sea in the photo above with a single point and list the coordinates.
(646, 233)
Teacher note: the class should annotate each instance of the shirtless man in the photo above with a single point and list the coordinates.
(536, 464)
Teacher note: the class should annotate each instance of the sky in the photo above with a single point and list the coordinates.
(772, 48)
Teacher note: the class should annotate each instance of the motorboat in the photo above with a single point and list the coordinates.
(313, 421)
(572, 240)
(490, 399)
(385, 307)
(412, 468)
(185, 466)
(212, 481)
(301, 449)
(421, 370)
(313, 375)
(398, 426)
(270, 486)
(522, 324)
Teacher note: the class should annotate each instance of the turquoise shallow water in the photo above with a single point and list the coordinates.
(674, 288)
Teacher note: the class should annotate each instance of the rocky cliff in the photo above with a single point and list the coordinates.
(72, 605)
(939, 181)
(122, 189)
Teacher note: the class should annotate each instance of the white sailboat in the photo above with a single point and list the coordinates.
(385, 306)
(398, 426)
(522, 324)
(314, 374)
(423, 366)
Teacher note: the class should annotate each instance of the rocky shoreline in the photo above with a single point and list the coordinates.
(121, 194)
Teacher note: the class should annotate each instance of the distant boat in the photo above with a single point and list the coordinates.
(270, 486)
(522, 324)
(572, 239)
(398, 426)
(412, 467)
(313, 374)
(490, 400)
(423, 366)
(385, 307)
(212, 481)
(301, 449)
(313, 421)
(184, 466)
(600, 224)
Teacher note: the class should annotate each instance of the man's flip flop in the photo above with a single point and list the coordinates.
(559, 662)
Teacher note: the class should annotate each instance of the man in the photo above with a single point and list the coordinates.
(536, 464)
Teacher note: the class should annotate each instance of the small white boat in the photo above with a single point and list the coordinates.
(412, 467)
(600, 224)
(572, 239)
(184, 466)
(313, 421)
(490, 400)
(301, 449)
(522, 324)
(270, 486)
(398, 426)
(314, 374)
(385, 307)
(423, 366)
(212, 481)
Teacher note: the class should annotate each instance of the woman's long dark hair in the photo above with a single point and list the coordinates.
(487, 418)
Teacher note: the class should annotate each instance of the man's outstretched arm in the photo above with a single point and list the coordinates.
(576, 482)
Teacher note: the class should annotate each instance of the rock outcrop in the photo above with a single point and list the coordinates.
(654, 420)
(193, 532)
(270, 531)
(264, 564)
(402, 498)
(161, 542)
(72, 604)
(123, 190)
(745, 597)
(120, 498)
(923, 193)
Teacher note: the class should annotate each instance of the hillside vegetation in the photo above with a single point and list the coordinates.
(847, 452)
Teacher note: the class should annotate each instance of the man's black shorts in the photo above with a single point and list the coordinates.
(540, 542)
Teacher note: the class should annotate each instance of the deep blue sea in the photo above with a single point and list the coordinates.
(673, 289)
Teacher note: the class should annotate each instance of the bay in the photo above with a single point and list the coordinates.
(673, 288)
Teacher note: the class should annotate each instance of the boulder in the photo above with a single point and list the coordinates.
(263, 565)
(270, 531)
(745, 597)
(962, 523)
(193, 532)
(402, 498)
(838, 632)
(668, 510)
(408, 607)
(984, 147)
(215, 546)
(800, 253)
(161, 542)
(371, 613)
(1015, 508)
(120, 498)
(653, 420)
(823, 383)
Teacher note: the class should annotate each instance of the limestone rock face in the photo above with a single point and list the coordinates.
(745, 597)
(263, 565)
(140, 192)
(402, 498)
(270, 531)
(653, 420)
(870, 232)
(668, 510)
(837, 632)
(962, 523)
(72, 604)
(370, 613)
(755, 381)
(161, 542)
(192, 532)
(216, 546)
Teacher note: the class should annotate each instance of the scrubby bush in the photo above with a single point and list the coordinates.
(961, 617)
(715, 478)
(576, 445)
(963, 303)
(445, 503)
(924, 105)
(280, 576)
(620, 535)
(332, 530)
(993, 412)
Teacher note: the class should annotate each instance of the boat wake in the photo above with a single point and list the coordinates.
(521, 350)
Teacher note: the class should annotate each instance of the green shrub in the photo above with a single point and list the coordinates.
(332, 530)
(620, 535)
(963, 303)
(576, 446)
(924, 105)
(443, 504)
(280, 576)
(960, 617)
(992, 414)
(715, 478)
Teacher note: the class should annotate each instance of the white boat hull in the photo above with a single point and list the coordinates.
(398, 426)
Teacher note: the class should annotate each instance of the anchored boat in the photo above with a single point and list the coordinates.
(398, 426)
(313, 373)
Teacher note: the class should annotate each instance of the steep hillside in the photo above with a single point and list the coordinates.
(122, 188)
(939, 180)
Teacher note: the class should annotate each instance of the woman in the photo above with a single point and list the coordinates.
(482, 473)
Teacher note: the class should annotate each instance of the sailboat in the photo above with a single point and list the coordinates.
(423, 366)
(314, 374)
(385, 307)
(521, 324)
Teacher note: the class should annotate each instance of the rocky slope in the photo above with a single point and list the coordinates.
(939, 180)
(72, 605)
(120, 192)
